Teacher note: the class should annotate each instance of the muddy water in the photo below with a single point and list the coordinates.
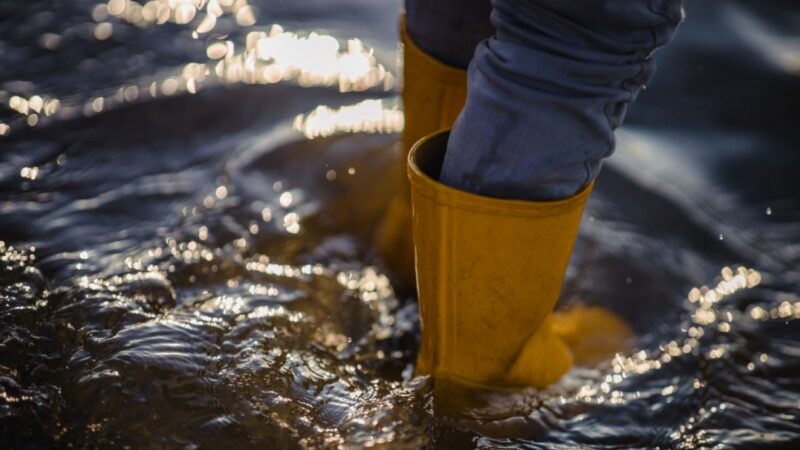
(187, 205)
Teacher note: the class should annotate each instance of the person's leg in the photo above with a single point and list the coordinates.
(439, 39)
(544, 97)
(546, 93)
(449, 30)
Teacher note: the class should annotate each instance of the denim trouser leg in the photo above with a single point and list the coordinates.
(449, 30)
(547, 91)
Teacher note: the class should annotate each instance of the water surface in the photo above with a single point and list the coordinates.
(187, 206)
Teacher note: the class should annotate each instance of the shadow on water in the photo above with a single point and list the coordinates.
(187, 229)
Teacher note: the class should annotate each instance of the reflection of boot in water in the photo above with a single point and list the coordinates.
(433, 95)
(489, 272)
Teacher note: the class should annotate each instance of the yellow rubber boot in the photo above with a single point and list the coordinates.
(433, 96)
(592, 333)
(489, 272)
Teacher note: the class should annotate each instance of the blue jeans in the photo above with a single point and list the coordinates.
(548, 83)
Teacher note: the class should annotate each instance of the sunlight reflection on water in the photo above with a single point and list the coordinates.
(191, 265)
(266, 57)
(368, 116)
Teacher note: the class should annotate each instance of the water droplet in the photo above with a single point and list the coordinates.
(285, 199)
(117, 7)
(35, 103)
(245, 16)
(216, 50)
(103, 31)
(266, 214)
(98, 104)
(184, 13)
(214, 8)
(169, 86)
(130, 93)
(51, 106)
(50, 41)
(221, 192)
(18, 104)
(29, 173)
(100, 13)
(292, 223)
(207, 24)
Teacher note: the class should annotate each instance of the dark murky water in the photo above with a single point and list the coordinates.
(187, 203)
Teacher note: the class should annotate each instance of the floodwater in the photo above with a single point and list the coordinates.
(188, 198)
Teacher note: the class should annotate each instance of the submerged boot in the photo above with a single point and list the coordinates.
(433, 96)
(489, 272)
